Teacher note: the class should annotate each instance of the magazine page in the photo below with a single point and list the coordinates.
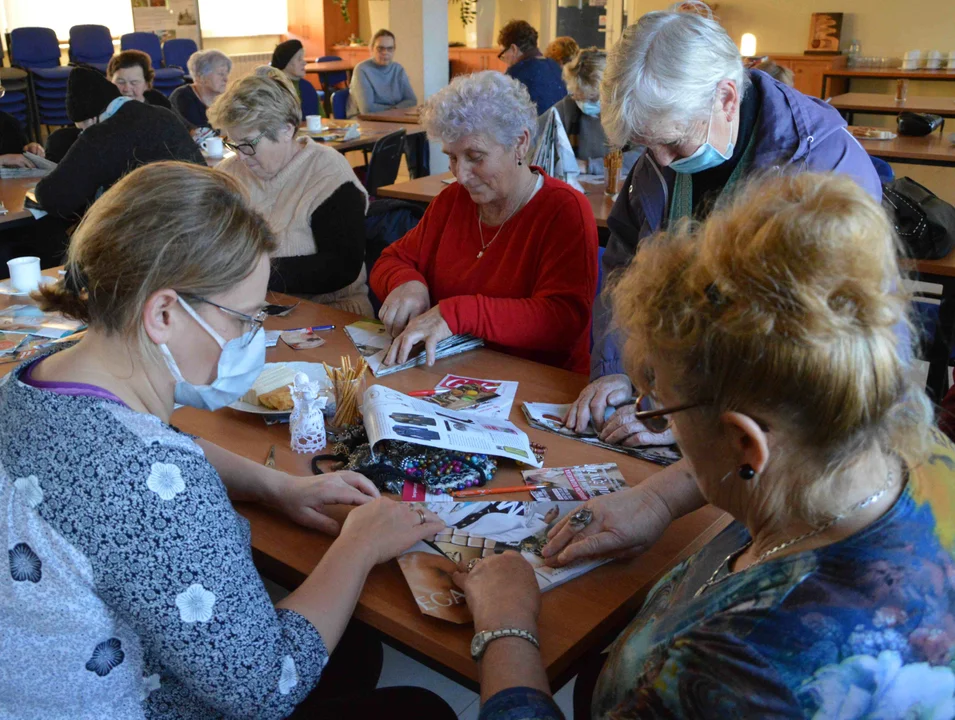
(476, 530)
(30, 320)
(391, 415)
(550, 417)
(372, 341)
(492, 398)
(580, 482)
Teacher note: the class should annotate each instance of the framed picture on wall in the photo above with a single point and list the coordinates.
(825, 30)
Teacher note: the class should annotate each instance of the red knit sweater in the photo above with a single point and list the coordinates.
(532, 292)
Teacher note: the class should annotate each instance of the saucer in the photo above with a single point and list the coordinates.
(6, 287)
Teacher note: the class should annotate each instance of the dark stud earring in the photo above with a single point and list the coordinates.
(746, 472)
(519, 163)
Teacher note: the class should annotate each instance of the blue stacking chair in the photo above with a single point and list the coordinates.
(309, 98)
(16, 98)
(340, 104)
(176, 53)
(167, 79)
(91, 45)
(36, 50)
(328, 80)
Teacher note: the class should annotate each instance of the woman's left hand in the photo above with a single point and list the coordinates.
(429, 327)
(304, 498)
(501, 592)
(35, 148)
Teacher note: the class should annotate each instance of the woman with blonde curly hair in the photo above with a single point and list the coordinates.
(766, 339)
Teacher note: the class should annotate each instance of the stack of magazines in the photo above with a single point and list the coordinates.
(25, 330)
(372, 342)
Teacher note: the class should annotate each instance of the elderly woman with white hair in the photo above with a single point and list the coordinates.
(308, 193)
(210, 75)
(675, 83)
(505, 253)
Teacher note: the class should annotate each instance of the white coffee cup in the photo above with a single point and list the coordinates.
(933, 61)
(212, 146)
(24, 273)
(912, 60)
(313, 123)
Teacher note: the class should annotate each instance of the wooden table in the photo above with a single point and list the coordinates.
(12, 193)
(935, 149)
(878, 104)
(329, 66)
(397, 115)
(577, 617)
(884, 74)
(424, 190)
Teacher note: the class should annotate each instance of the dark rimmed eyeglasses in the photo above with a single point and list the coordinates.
(250, 323)
(500, 55)
(656, 419)
(248, 147)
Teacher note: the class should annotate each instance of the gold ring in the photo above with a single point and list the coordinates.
(421, 515)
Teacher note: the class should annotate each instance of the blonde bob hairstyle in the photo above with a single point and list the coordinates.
(583, 73)
(265, 103)
(785, 305)
(165, 225)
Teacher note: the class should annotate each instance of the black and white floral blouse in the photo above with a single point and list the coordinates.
(129, 589)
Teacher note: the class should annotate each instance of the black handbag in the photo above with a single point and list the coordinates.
(917, 124)
(924, 222)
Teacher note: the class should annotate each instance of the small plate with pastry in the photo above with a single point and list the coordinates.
(271, 394)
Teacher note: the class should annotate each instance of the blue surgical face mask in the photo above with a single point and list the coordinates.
(591, 108)
(240, 363)
(705, 157)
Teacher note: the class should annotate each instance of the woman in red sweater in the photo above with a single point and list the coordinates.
(505, 253)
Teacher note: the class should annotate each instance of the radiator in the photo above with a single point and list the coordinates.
(244, 63)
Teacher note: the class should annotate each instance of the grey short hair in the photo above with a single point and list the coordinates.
(204, 62)
(485, 103)
(663, 73)
(584, 71)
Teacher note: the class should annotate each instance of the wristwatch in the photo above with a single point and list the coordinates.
(481, 640)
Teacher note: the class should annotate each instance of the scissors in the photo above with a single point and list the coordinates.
(270, 460)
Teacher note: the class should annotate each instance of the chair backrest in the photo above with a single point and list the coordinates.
(330, 79)
(34, 47)
(90, 44)
(385, 161)
(328, 58)
(309, 97)
(147, 42)
(340, 104)
(176, 52)
(387, 221)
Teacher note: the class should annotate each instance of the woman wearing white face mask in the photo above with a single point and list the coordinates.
(580, 111)
(121, 527)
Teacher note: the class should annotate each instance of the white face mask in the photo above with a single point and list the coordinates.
(240, 363)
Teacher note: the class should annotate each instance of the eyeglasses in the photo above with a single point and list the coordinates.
(500, 55)
(384, 48)
(656, 419)
(246, 148)
(250, 323)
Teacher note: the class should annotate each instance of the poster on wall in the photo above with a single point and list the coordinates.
(168, 19)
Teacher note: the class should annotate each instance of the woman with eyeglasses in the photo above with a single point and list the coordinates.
(766, 339)
(308, 193)
(128, 585)
(379, 83)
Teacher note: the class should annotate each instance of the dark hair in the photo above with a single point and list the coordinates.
(128, 59)
(382, 33)
(520, 33)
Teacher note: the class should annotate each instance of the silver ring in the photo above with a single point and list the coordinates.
(581, 519)
(473, 563)
(421, 515)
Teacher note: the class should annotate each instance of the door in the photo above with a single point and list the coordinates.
(583, 20)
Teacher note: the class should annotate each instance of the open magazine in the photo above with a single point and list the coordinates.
(372, 342)
(42, 168)
(550, 417)
(580, 482)
(391, 415)
(491, 398)
(477, 530)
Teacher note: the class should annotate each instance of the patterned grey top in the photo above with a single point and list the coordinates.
(130, 589)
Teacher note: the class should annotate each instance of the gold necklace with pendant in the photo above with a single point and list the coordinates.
(501, 226)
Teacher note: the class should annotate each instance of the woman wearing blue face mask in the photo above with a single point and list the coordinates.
(121, 528)
(675, 83)
(580, 111)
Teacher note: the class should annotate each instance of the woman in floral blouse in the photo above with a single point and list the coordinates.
(765, 339)
(130, 589)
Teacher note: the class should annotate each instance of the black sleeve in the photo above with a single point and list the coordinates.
(187, 105)
(87, 166)
(338, 226)
(154, 97)
(12, 137)
(59, 143)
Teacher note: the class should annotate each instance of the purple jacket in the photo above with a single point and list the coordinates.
(793, 131)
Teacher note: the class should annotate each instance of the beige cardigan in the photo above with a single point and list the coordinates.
(288, 200)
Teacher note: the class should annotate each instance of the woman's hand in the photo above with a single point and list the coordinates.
(623, 428)
(35, 148)
(405, 302)
(591, 406)
(625, 524)
(429, 327)
(502, 592)
(15, 160)
(304, 498)
(385, 528)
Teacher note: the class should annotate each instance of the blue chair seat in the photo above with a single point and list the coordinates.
(59, 74)
(168, 75)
